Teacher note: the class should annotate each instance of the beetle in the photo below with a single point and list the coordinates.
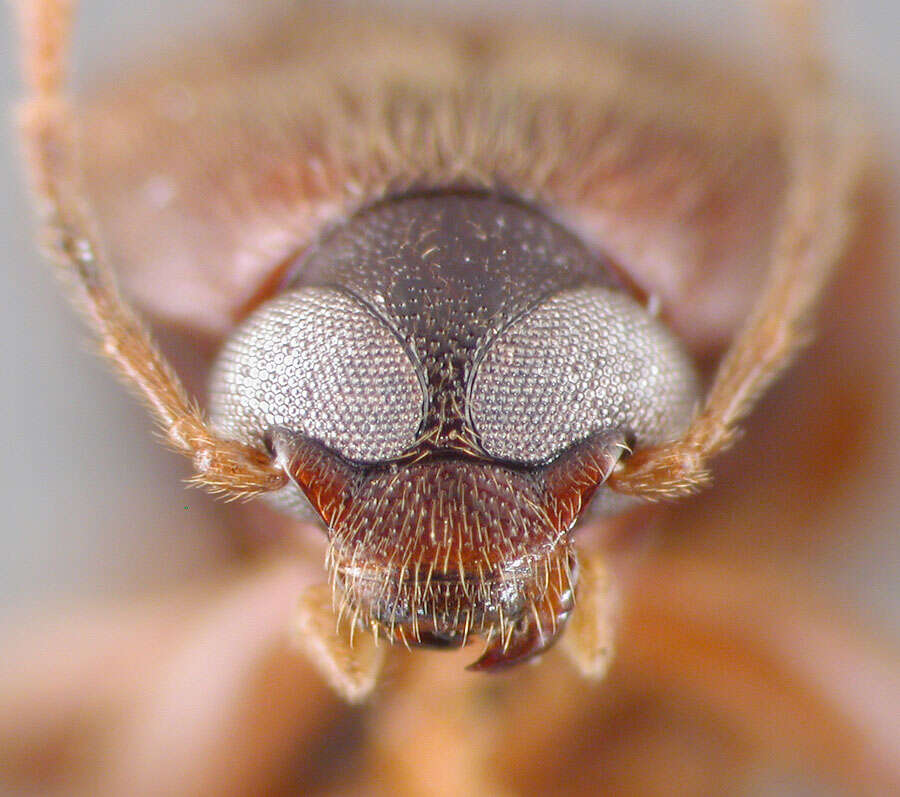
(721, 621)
(451, 348)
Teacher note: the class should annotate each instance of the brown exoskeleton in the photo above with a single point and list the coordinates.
(462, 338)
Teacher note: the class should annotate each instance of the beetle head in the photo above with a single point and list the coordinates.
(448, 378)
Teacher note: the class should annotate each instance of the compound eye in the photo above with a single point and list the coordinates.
(317, 362)
(582, 361)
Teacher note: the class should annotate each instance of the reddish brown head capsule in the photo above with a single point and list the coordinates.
(449, 377)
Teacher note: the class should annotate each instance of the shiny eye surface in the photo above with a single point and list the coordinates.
(317, 362)
(582, 361)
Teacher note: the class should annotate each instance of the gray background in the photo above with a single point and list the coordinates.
(92, 505)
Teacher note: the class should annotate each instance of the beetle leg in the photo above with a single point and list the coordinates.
(350, 662)
(590, 636)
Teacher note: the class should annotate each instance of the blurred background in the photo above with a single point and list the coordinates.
(94, 507)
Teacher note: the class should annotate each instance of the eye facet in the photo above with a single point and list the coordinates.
(317, 362)
(582, 361)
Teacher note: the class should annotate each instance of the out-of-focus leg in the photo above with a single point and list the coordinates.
(349, 659)
(590, 636)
